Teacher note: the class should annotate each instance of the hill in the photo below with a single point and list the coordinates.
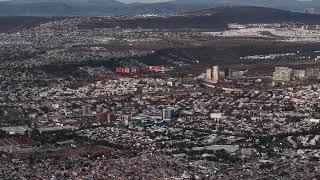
(252, 14)
(216, 18)
(58, 7)
(213, 19)
(113, 7)
(11, 24)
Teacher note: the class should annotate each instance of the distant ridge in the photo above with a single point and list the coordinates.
(113, 7)
(216, 18)
(254, 14)
(58, 7)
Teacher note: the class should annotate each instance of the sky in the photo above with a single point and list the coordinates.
(154, 1)
(131, 1)
(144, 1)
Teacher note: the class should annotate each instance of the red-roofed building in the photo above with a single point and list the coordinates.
(154, 67)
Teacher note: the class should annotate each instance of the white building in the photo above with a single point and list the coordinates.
(313, 73)
(209, 74)
(282, 74)
(300, 74)
(215, 74)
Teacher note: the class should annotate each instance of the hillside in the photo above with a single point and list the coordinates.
(214, 19)
(217, 18)
(11, 24)
(251, 14)
(58, 7)
(113, 7)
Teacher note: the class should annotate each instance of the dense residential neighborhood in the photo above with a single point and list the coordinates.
(104, 98)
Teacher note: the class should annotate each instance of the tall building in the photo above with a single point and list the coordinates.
(209, 74)
(282, 74)
(227, 72)
(215, 73)
(221, 75)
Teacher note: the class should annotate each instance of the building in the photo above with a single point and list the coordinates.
(215, 116)
(312, 120)
(227, 72)
(313, 73)
(215, 74)
(173, 83)
(120, 70)
(154, 68)
(221, 75)
(134, 70)
(238, 74)
(283, 74)
(86, 110)
(299, 74)
(15, 130)
(209, 74)
(55, 129)
(9, 144)
(127, 70)
(105, 117)
(168, 113)
(125, 119)
(236, 26)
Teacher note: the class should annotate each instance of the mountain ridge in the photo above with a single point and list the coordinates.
(115, 8)
(215, 19)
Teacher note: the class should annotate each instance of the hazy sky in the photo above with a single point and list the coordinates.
(145, 1)
(153, 1)
(131, 1)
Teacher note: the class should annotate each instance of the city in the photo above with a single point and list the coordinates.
(161, 97)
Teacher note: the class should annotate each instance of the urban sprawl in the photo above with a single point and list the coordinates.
(81, 103)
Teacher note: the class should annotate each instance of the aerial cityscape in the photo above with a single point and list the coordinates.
(231, 91)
